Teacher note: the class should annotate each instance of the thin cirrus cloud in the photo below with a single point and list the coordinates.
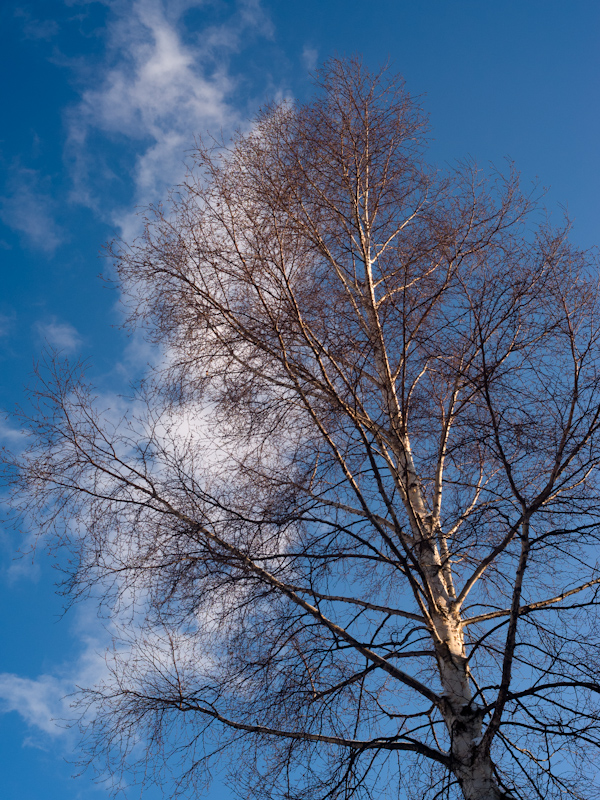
(59, 336)
(28, 208)
(36, 28)
(157, 91)
(45, 703)
(7, 322)
(310, 57)
(40, 702)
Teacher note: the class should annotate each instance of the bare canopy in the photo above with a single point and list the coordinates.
(355, 514)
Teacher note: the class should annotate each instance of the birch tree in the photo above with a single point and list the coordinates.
(354, 515)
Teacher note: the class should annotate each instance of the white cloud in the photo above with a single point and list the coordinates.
(23, 566)
(61, 336)
(10, 435)
(41, 702)
(309, 57)
(29, 209)
(159, 91)
(6, 323)
(36, 28)
(46, 703)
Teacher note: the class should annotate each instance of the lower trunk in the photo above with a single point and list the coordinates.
(473, 768)
(477, 781)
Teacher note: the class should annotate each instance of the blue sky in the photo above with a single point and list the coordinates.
(102, 100)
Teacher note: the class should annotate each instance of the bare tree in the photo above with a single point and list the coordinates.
(355, 516)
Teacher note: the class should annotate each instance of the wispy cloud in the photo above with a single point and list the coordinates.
(9, 434)
(60, 336)
(158, 90)
(309, 57)
(40, 702)
(28, 207)
(45, 703)
(36, 28)
(7, 322)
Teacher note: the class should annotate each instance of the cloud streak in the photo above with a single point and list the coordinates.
(60, 336)
(39, 702)
(158, 91)
(47, 703)
(28, 208)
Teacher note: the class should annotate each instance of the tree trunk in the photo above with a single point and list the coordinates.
(473, 768)
(478, 782)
